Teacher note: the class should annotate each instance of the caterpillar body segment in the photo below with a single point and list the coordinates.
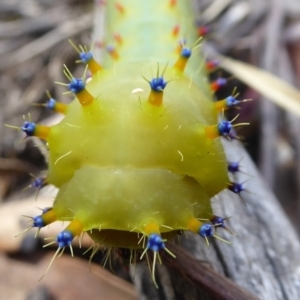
(142, 203)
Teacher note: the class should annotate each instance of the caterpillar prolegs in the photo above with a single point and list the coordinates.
(138, 157)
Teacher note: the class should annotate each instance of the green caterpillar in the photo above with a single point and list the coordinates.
(137, 157)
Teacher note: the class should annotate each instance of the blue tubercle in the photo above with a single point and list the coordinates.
(38, 222)
(110, 48)
(155, 242)
(206, 230)
(236, 187)
(29, 128)
(39, 182)
(231, 101)
(217, 221)
(185, 52)
(86, 56)
(221, 81)
(76, 85)
(233, 167)
(64, 239)
(50, 104)
(158, 84)
(224, 127)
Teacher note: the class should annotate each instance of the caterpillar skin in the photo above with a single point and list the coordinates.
(129, 165)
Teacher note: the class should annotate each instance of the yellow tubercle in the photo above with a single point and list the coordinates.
(42, 132)
(76, 227)
(181, 63)
(155, 98)
(221, 105)
(194, 225)
(212, 132)
(151, 228)
(85, 98)
(61, 108)
(49, 217)
(94, 67)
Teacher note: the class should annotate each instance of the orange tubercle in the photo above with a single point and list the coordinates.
(175, 30)
(85, 98)
(173, 3)
(120, 8)
(113, 52)
(118, 38)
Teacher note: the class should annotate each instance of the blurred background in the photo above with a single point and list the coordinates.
(33, 48)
